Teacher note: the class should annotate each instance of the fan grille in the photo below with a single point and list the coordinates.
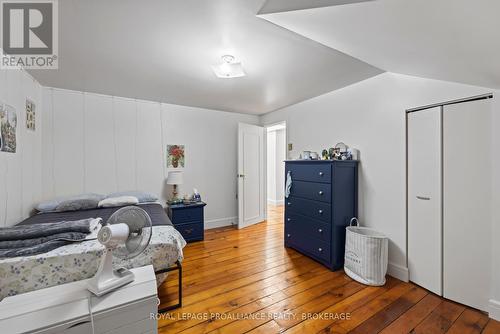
(140, 227)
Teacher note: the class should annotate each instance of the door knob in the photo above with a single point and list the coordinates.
(320, 250)
(320, 192)
(288, 235)
(288, 203)
(288, 219)
(320, 173)
(320, 212)
(320, 230)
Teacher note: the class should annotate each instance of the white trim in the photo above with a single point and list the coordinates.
(494, 312)
(275, 202)
(398, 271)
(214, 223)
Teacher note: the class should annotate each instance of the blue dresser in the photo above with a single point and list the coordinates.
(322, 200)
(188, 220)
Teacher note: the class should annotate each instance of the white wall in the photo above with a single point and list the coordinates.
(495, 299)
(280, 165)
(370, 116)
(271, 167)
(20, 172)
(275, 166)
(99, 143)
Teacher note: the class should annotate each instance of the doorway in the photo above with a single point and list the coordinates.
(275, 168)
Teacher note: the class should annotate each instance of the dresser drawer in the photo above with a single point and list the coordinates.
(306, 225)
(187, 215)
(312, 190)
(311, 246)
(313, 172)
(306, 207)
(190, 232)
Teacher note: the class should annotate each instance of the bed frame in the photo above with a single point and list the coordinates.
(178, 266)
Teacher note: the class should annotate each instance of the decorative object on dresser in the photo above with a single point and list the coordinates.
(323, 198)
(70, 308)
(188, 220)
(175, 178)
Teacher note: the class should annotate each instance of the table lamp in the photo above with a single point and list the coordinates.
(174, 178)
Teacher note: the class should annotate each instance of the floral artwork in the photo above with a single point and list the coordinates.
(8, 124)
(175, 156)
(30, 115)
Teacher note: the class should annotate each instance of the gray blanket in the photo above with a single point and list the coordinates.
(28, 240)
(23, 232)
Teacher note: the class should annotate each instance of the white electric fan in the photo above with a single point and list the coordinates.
(125, 235)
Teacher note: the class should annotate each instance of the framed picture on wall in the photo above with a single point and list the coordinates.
(30, 115)
(8, 124)
(175, 156)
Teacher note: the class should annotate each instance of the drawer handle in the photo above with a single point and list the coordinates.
(320, 173)
(320, 192)
(288, 203)
(288, 220)
(189, 230)
(320, 230)
(320, 212)
(288, 235)
(320, 249)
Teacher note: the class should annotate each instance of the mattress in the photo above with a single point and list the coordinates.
(80, 260)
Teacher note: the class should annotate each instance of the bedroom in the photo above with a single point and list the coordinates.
(147, 98)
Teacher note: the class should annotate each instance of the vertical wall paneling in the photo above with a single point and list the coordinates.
(149, 155)
(20, 178)
(126, 137)
(121, 145)
(99, 147)
(69, 162)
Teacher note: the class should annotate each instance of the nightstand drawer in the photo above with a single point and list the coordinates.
(192, 231)
(187, 215)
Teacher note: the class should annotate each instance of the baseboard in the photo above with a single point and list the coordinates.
(494, 311)
(214, 223)
(399, 272)
(275, 202)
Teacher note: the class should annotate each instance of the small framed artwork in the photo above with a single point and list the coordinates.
(30, 115)
(175, 156)
(8, 124)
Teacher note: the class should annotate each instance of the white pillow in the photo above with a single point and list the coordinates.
(118, 201)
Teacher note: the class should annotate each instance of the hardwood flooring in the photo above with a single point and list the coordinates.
(245, 281)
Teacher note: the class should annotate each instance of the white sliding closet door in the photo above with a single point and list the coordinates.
(467, 202)
(424, 199)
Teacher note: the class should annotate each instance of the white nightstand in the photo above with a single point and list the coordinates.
(65, 309)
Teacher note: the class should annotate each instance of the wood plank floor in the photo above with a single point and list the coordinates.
(245, 281)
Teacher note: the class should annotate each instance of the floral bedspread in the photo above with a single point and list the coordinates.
(80, 261)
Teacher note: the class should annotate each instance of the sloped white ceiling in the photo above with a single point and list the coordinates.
(163, 51)
(454, 40)
(274, 6)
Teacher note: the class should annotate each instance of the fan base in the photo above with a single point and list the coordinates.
(99, 285)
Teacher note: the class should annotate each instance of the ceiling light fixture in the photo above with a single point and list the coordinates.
(229, 68)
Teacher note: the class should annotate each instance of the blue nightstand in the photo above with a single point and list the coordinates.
(188, 220)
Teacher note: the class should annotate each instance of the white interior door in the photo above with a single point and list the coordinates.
(251, 199)
(467, 202)
(424, 199)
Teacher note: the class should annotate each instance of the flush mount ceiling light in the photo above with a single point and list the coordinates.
(229, 68)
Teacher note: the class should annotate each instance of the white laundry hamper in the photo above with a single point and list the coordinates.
(366, 254)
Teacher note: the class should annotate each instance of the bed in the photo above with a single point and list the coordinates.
(79, 261)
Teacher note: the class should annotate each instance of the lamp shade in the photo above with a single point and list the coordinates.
(174, 177)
